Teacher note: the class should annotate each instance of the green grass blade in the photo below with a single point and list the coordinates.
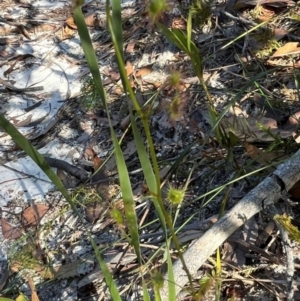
(148, 173)
(89, 53)
(117, 29)
(129, 205)
(146, 296)
(107, 275)
(171, 287)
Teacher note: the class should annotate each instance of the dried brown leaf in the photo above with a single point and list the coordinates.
(256, 154)
(129, 68)
(279, 33)
(33, 214)
(292, 123)
(285, 64)
(9, 231)
(130, 46)
(91, 20)
(67, 33)
(71, 23)
(34, 296)
(144, 70)
(288, 48)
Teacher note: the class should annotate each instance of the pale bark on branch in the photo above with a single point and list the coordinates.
(266, 193)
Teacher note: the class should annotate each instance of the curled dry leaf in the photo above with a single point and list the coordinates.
(288, 48)
(260, 156)
(144, 70)
(34, 295)
(292, 123)
(9, 231)
(90, 20)
(130, 46)
(129, 68)
(33, 214)
(71, 23)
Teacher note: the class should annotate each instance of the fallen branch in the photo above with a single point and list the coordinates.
(265, 194)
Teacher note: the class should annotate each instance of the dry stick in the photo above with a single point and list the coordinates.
(266, 193)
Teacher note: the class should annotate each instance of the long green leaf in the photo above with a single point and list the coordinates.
(89, 52)
(147, 169)
(128, 200)
(171, 287)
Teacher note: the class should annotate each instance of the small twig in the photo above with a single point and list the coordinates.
(75, 171)
(256, 249)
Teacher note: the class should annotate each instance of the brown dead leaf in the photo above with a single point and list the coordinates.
(9, 231)
(118, 91)
(260, 156)
(112, 74)
(34, 295)
(71, 23)
(91, 20)
(288, 64)
(287, 49)
(129, 68)
(67, 33)
(130, 46)
(293, 122)
(279, 33)
(144, 70)
(33, 214)
(152, 84)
